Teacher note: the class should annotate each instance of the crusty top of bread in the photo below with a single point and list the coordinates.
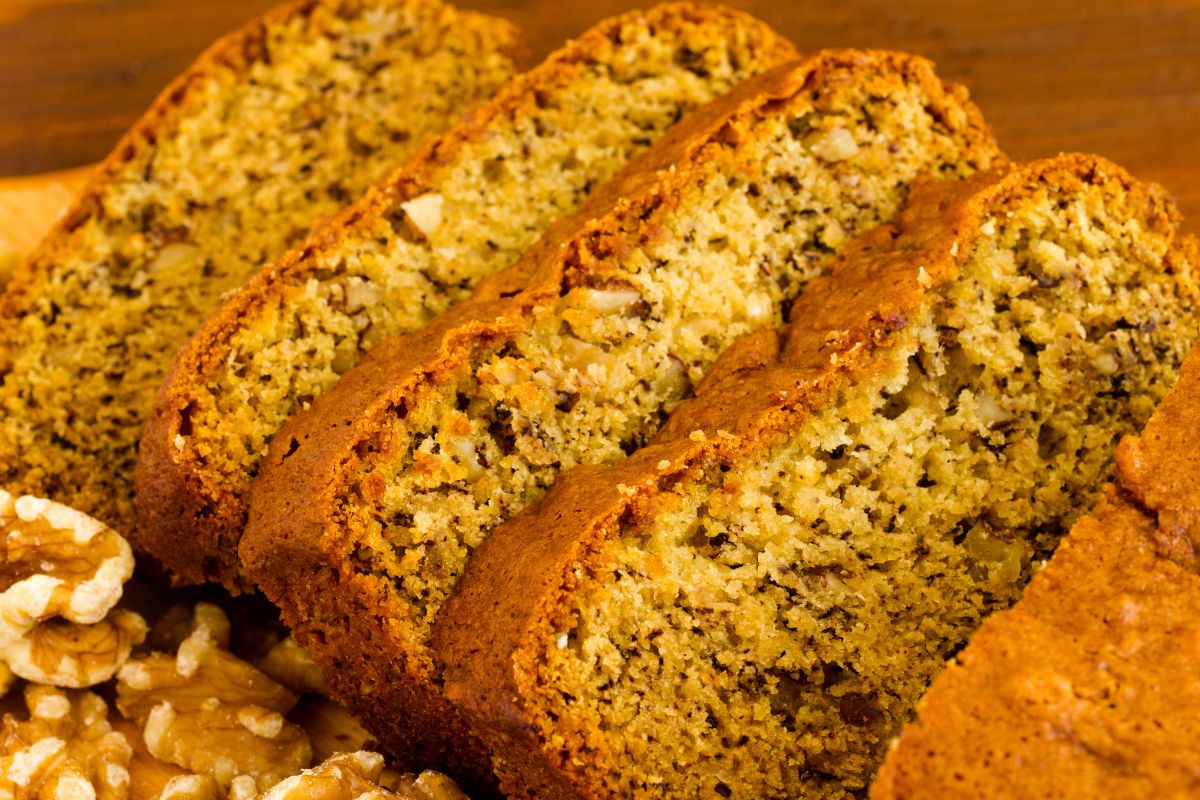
(514, 596)
(1076, 691)
(275, 126)
(644, 69)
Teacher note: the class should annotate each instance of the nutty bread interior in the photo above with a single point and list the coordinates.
(374, 498)
(755, 606)
(467, 207)
(1080, 677)
(277, 126)
(596, 370)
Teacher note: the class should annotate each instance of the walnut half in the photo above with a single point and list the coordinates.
(294, 667)
(61, 574)
(58, 562)
(63, 653)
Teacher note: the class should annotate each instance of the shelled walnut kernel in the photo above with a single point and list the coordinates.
(361, 776)
(208, 711)
(61, 574)
(66, 750)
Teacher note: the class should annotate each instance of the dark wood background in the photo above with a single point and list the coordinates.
(1121, 79)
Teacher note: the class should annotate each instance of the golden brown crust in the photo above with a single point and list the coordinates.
(190, 518)
(486, 638)
(1076, 691)
(291, 546)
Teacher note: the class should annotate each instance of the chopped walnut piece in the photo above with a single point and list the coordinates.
(181, 620)
(345, 775)
(57, 562)
(66, 750)
(215, 740)
(424, 213)
(208, 711)
(63, 653)
(294, 667)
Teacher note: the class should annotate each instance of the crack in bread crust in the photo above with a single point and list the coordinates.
(471, 413)
(806, 542)
(466, 207)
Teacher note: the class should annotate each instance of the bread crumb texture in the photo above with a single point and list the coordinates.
(278, 128)
(1080, 676)
(645, 304)
(768, 627)
(485, 193)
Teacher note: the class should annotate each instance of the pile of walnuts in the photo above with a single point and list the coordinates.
(210, 712)
(218, 720)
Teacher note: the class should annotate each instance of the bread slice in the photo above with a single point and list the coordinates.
(370, 502)
(1079, 689)
(466, 207)
(276, 125)
(752, 605)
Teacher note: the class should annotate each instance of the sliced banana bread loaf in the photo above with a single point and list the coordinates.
(465, 208)
(371, 501)
(1081, 690)
(277, 125)
(752, 606)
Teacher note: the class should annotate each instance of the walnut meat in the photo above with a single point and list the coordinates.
(294, 667)
(57, 562)
(191, 787)
(208, 711)
(66, 750)
(429, 785)
(354, 775)
(61, 574)
(361, 776)
(63, 653)
(358, 775)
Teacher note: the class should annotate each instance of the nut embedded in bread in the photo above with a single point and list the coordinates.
(1079, 689)
(752, 605)
(370, 501)
(464, 209)
(276, 126)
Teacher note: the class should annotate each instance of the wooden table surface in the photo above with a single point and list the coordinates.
(1117, 78)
